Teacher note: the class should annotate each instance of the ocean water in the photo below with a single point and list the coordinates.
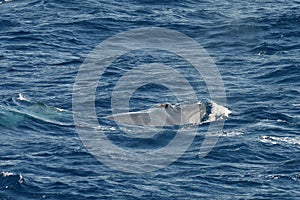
(255, 46)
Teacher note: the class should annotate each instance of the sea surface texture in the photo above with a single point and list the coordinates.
(255, 46)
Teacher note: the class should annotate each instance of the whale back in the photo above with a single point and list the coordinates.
(163, 115)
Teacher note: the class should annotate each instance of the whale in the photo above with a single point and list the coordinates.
(15, 111)
(163, 115)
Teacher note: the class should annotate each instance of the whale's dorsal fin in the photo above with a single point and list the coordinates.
(164, 105)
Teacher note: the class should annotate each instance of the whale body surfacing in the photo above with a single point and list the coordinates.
(163, 115)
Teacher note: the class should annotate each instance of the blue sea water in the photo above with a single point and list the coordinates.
(256, 47)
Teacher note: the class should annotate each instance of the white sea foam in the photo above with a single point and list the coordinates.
(22, 97)
(218, 112)
(232, 133)
(280, 140)
(6, 174)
